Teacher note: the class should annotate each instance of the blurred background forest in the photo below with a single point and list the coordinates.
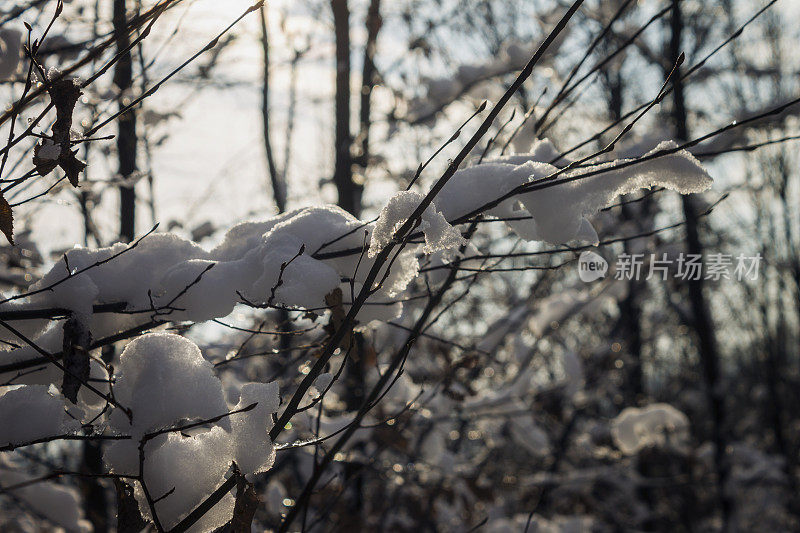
(531, 400)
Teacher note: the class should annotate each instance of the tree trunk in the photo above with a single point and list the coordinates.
(95, 499)
(702, 321)
(349, 191)
(368, 80)
(278, 185)
(629, 325)
(126, 134)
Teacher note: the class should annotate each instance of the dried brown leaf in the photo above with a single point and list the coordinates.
(64, 94)
(6, 219)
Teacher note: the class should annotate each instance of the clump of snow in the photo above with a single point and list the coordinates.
(186, 282)
(441, 91)
(10, 52)
(314, 226)
(527, 434)
(127, 278)
(33, 412)
(304, 282)
(474, 186)
(194, 466)
(541, 151)
(212, 288)
(254, 452)
(439, 234)
(558, 213)
(551, 310)
(165, 381)
(245, 236)
(658, 424)
(574, 375)
(164, 378)
(60, 505)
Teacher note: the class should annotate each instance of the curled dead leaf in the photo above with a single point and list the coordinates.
(57, 151)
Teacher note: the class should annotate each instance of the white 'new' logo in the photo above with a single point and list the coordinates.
(591, 266)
